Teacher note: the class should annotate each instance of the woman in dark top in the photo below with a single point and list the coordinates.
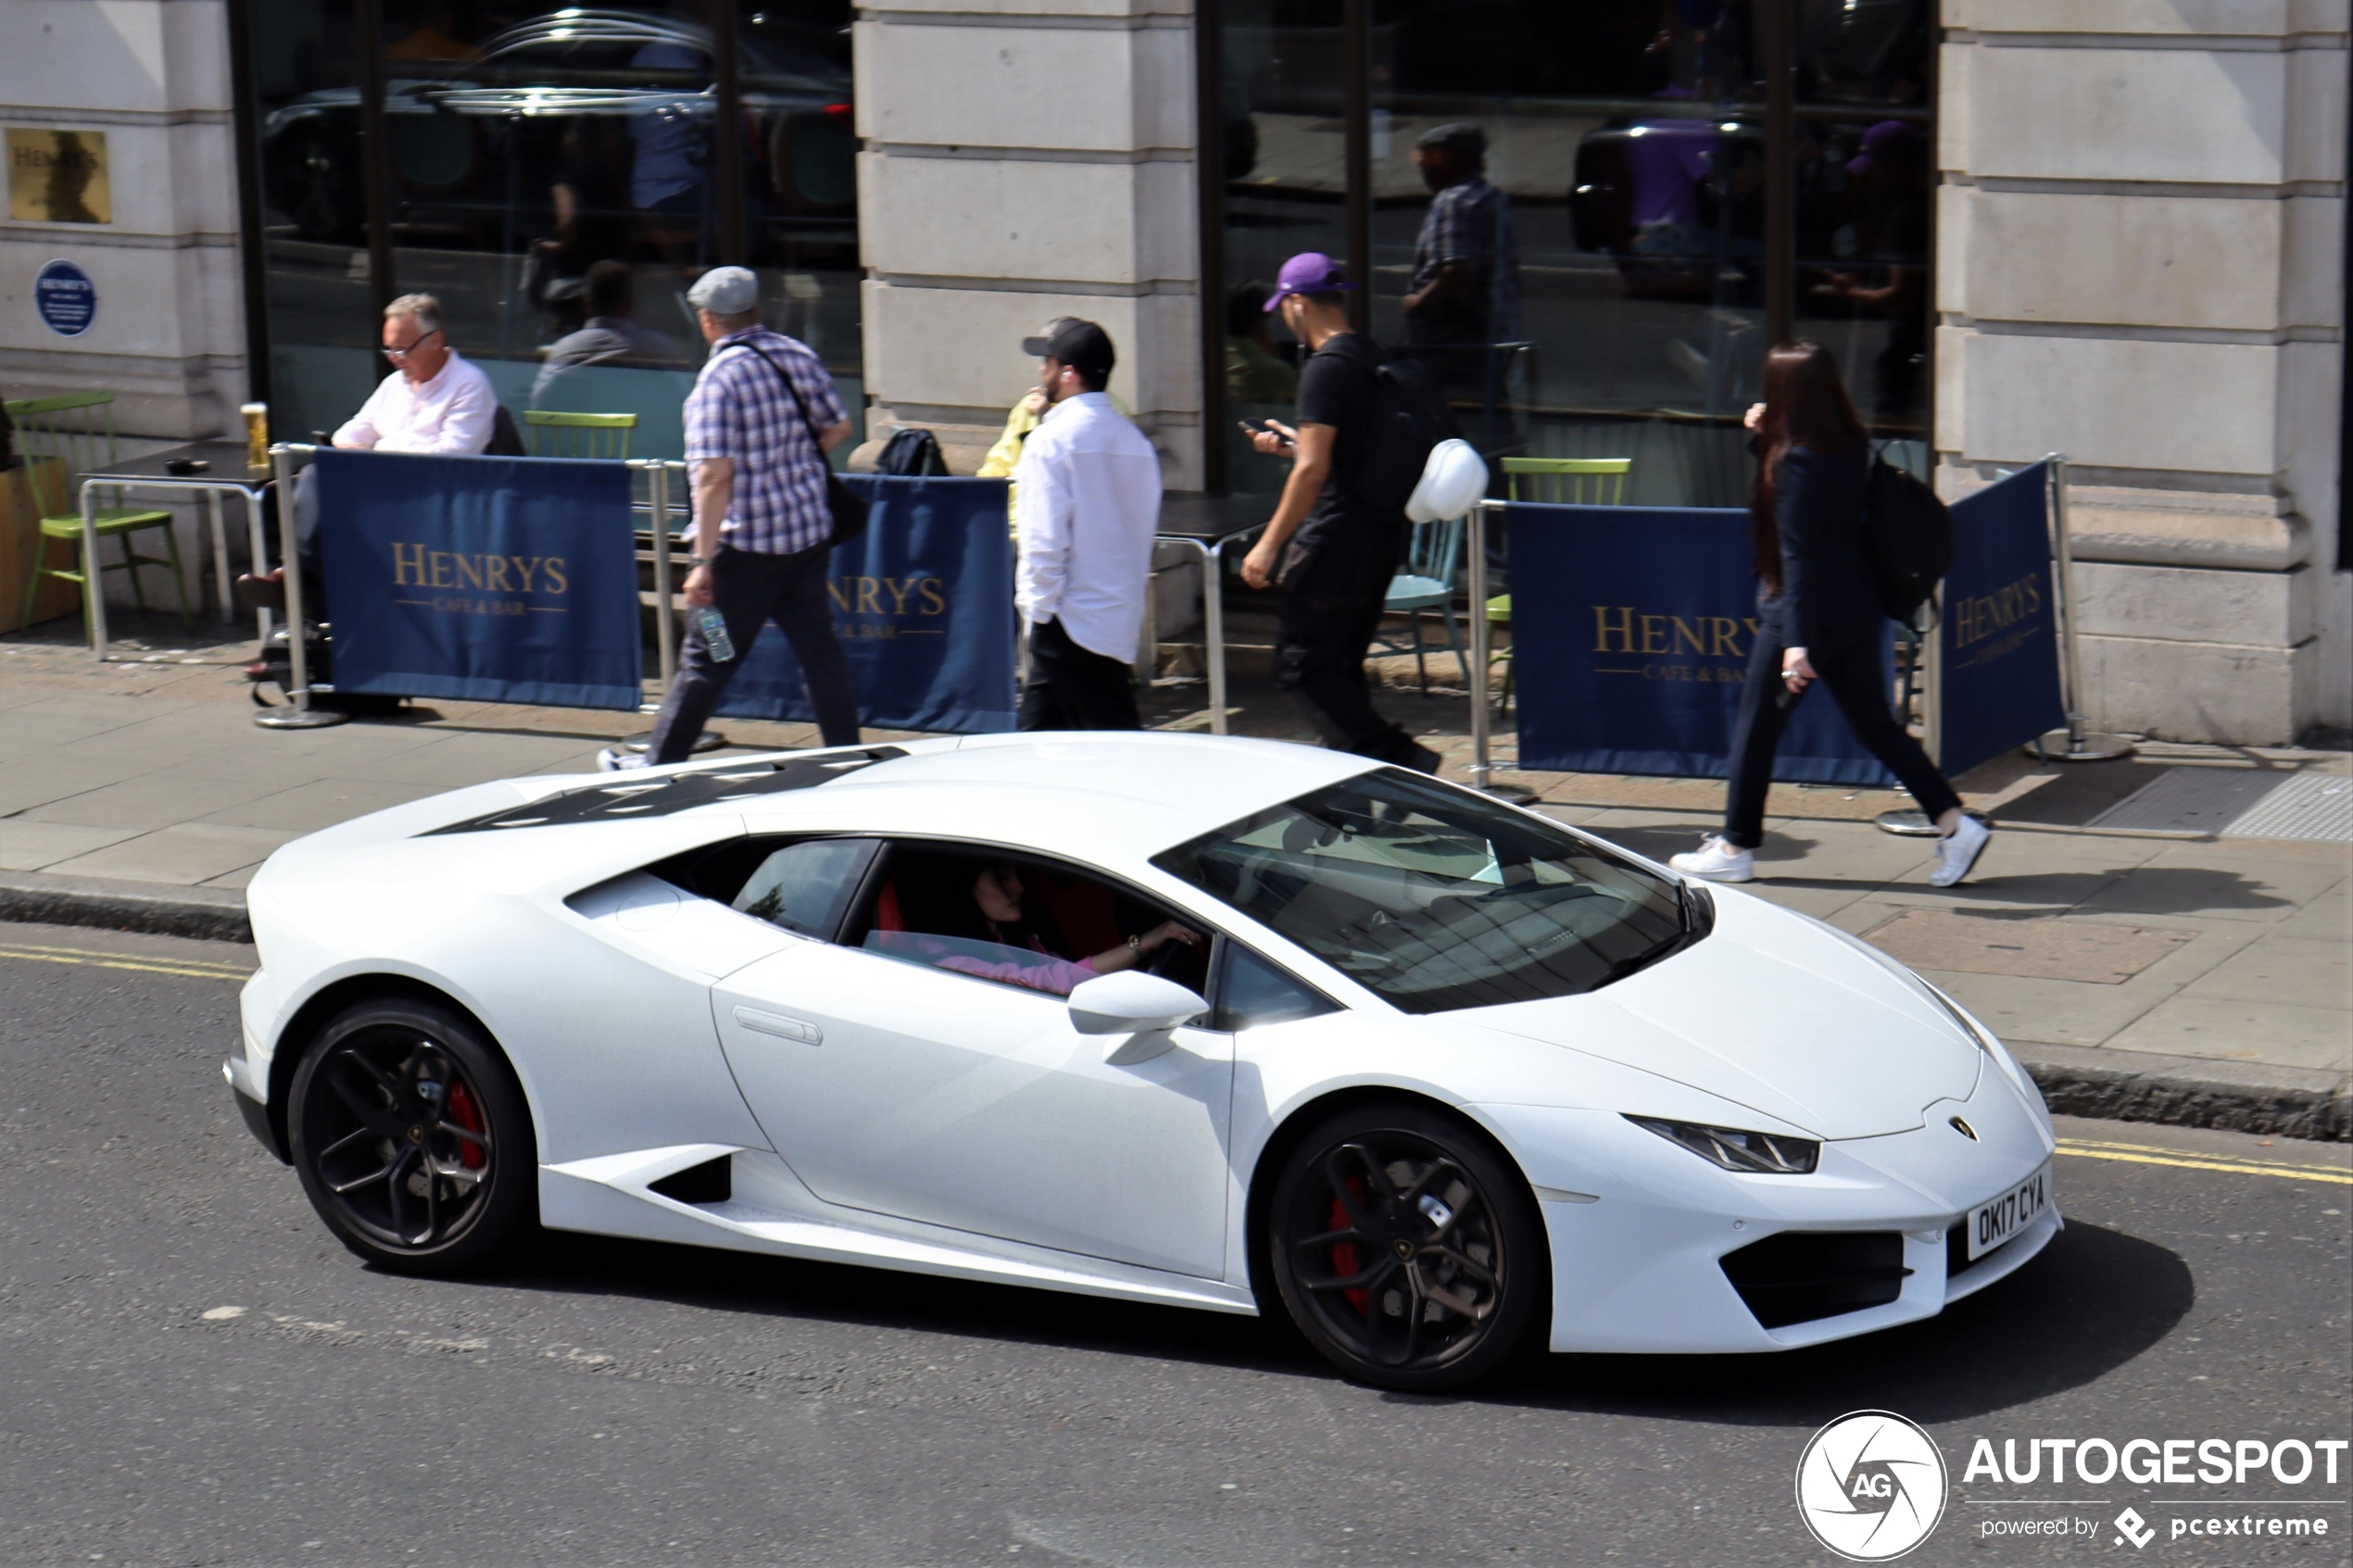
(1818, 616)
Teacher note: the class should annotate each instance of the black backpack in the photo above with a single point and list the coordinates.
(1410, 416)
(1908, 537)
(912, 453)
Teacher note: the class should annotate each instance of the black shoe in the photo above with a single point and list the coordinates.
(1423, 759)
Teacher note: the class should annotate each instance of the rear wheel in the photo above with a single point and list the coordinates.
(1406, 1246)
(411, 1137)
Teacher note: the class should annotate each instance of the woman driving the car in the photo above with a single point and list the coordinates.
(996, 899)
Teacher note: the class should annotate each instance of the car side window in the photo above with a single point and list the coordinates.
(1250, 992)
(805, 887)
(1017, 920)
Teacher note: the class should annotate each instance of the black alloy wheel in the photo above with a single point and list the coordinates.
(1407, 1246)
(412, 1139)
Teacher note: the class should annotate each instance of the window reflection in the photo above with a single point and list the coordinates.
(553, 175)
(1568, 226)
(1568, 213)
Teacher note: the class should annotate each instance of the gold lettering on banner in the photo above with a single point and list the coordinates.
(59, 176)
(1978, 616)
(841, 600)
(1628, 629)
(898, 593)
(934, 604)
(415, 566)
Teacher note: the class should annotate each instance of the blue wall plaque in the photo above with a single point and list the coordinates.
(66, 297)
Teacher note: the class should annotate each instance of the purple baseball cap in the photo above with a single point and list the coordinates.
(1311, 271)
(1878, 143)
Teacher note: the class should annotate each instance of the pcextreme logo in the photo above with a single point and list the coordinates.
(1871, 1486)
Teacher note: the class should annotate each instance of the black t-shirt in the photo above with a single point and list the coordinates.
(1336, 388)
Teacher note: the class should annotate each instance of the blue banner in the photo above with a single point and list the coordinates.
(923, 604)
(1631, 630)
(486, 579)
(2000, 683)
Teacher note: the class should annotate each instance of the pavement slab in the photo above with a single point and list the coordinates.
(2230, 1030)
(183, 854)
(30, 845)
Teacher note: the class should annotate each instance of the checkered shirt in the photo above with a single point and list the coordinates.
(1472, 222)
(740, 410)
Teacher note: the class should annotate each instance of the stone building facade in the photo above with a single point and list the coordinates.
(2139, 261)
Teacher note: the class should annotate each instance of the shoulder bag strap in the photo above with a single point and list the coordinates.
(798, 401)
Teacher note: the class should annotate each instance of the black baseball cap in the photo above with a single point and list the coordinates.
(1082, 346)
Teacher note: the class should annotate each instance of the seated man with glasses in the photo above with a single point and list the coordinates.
(433, 401)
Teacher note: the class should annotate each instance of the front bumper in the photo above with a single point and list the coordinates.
(1638, 1265)
(250, 1098)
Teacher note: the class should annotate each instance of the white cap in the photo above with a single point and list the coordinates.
(725, 291)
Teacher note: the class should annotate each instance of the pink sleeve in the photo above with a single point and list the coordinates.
(1052, 974)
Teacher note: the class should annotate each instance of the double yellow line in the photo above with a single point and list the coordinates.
(191, 969)
(2151, 1154)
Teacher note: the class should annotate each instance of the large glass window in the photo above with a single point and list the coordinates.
(1567, 210)
(558, 176)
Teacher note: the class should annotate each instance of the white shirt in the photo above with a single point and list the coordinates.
(1086, 501)
(454, 412)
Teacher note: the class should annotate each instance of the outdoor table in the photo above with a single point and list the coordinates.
(1209, 525)
(228, 475)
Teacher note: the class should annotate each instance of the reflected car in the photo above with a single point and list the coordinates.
(651, 73)
(1210, 1023)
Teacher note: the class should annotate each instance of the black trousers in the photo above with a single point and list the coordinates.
(1329, 618)
(1859, 687)
(748, 590)
(1075, 688)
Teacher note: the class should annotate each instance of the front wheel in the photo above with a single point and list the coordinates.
(412, 1139)
(1406, 1246)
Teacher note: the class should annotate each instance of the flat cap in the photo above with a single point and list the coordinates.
(725, 291)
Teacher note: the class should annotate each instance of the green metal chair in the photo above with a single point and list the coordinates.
(559, 434)
(1572, 482)
(78, 430)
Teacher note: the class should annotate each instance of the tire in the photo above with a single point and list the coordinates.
(412, 1139)
(1407, 1246)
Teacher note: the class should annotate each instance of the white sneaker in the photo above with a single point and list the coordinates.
(1718, 861)
(1958, 850)
(612, 760)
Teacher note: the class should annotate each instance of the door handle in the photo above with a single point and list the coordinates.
(782, 1027)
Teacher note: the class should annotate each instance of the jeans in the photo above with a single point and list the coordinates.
(1329, 618)
(1075, 688)
(1859, 687)
(749, 589)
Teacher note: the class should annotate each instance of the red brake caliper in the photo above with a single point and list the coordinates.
(1345, 1254)
(464, 1113)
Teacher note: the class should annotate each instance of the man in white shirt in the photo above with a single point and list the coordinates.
(1087, 504)
(433, 401)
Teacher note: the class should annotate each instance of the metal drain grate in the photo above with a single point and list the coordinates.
(2239, 803)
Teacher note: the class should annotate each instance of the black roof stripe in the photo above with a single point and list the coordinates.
(627, 798)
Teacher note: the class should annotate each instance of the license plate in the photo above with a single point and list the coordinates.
(1990, 1224)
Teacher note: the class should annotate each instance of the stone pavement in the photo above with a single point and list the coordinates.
(2151, 972)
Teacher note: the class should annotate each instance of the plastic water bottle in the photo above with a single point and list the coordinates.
(713, 627)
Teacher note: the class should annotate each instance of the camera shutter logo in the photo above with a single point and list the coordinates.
(1871, 1486)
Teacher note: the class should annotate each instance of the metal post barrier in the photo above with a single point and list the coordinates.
(94, 598)
(1482, 770)
(1213, 630)
(657, 472)
(301, 716)
(2075, 743)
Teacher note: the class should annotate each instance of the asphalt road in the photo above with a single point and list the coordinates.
(191, 1373)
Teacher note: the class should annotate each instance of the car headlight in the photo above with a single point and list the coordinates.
(1754, 1154)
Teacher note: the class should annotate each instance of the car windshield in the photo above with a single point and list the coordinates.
(1434, 898)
